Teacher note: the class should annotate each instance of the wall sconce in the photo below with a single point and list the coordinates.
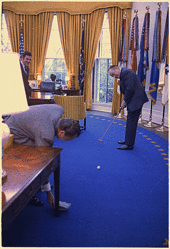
(39, 77)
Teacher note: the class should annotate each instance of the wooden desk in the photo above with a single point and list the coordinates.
(27, 168)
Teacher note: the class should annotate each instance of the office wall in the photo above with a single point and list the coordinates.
(141, 7)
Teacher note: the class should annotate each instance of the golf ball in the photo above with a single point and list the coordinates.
(98, 167)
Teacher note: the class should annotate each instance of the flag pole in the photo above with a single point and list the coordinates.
(154, 76)
(123, 52)
(162, 128)
(163, 78)
(81, 63)
(21, 43)
(145, 42)
(150, 124)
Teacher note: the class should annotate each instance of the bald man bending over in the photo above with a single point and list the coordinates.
(38, 126)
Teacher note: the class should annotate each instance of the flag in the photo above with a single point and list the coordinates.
(81, 64)
(21, 44)
(154, 76)
(165, 96)
(124, 44)
(164, 68)
(144, 48)
(134, 43)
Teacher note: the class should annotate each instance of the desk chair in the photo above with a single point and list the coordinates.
(74, 107)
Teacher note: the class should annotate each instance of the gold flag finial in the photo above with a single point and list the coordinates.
(125, 15)
(21, 21)
(136, 12)
(147, 9)
(159, 5)
(83, 21)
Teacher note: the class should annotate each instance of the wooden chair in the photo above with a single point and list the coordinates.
(74, 107)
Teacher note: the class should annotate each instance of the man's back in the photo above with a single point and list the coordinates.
(132, 88)
(36, 126)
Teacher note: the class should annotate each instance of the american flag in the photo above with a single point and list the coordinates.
(21, 44)
(164, 67)
(144, 50)
(81, 65)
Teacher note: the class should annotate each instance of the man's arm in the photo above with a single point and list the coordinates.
(129, 82)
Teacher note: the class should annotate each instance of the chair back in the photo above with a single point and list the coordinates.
(74, 106)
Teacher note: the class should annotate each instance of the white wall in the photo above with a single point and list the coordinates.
(141, 7)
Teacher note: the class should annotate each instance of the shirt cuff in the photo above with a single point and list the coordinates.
(46, 187)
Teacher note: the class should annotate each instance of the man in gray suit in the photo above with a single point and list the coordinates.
(38, 126)
(134, 98)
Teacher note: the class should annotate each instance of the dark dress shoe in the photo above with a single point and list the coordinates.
(125, 147)
(121, 142)
(35, 202)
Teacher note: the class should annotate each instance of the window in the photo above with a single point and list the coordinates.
(102, 83)
(55, 62)
(5, 41)
(102, 87)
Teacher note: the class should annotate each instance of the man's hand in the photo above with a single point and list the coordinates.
(50, 198)
(123, 105)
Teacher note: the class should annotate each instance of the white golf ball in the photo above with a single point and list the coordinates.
(98, 167)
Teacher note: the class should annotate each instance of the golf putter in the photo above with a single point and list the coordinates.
(100, 140)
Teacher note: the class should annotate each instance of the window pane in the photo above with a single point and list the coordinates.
(103, 83)
(54, 48)
(5, 41)
(55, 62)
(55, 66)
(104, 47)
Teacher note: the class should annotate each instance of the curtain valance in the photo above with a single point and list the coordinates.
(73, 8)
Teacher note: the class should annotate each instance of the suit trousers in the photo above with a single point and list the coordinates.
(131, 126)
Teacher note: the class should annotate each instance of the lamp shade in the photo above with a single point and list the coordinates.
(13, 97)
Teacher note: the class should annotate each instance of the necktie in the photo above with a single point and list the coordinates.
(26, 71)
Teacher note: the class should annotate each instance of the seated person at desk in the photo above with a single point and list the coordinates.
(38, 126)
(53, 77)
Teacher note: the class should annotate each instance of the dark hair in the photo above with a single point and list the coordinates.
(26, 53)
(52, 76)
(70, 126)
(112, 67)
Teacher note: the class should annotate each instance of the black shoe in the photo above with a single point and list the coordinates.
(35, 202)
(125, 147)
(121, 142)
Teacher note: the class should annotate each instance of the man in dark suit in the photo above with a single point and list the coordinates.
(24, 62)
(134, 98)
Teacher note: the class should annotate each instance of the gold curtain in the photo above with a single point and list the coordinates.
(36, 33)
(70, 35)
(115, 24)
(70, 28)
(93, 26)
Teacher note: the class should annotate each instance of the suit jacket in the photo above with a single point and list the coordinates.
(25, 81)
(131, 87)
(36, 126)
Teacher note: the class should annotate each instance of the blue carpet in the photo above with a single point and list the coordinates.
(122, 204)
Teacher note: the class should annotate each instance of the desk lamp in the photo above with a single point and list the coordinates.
(13, 98)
